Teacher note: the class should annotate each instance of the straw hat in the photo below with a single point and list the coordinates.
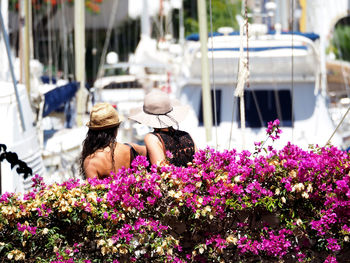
(103, 116)
(159, 111)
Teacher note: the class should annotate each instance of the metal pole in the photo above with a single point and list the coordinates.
(145, 21)
(206, 97)
(8, 50)
(100, 71)
(182, 27)
(79, 41)
(26, 46)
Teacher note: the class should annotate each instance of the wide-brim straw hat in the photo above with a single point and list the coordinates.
(103, 116)
(159, 111)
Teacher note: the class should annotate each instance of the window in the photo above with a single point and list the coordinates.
(272, 104)
(218, 108)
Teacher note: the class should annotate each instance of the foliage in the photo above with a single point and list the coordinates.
(340, 44)
(223, 15)
(91, 5)
(289, 205)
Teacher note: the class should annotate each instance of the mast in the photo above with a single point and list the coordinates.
(8, 50)
(27, 46)
(145, 21)
(206, 97)
(182, 27)
(79, 45)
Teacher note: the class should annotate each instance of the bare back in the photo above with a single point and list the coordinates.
(99, 164)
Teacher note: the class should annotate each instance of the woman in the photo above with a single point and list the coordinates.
(162, 114)
(101, 153)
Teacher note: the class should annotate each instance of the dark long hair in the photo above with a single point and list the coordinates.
(96, 140)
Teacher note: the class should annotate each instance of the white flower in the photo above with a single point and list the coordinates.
(100, 243)
(199, 184)
(237, 179)
(305, 195)
(309, 188)
(299, 187)
(232, 239)
(299, 222)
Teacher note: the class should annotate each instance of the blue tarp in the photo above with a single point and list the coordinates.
(312, 36)
(46, 80)
(58, 96)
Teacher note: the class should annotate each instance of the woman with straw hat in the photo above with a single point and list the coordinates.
(101, 153)
(162, 114)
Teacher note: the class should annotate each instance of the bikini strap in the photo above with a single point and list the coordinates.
(133, 152)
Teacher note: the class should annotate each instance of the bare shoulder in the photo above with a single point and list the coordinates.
(151, 139)
(122, 148)
(154, 148)
(91, 165)
(140, 149)
(122, 153)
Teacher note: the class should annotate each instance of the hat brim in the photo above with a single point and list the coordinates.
(91, 127)
(170, 119)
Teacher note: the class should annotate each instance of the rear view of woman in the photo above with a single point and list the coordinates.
(101, 153)
(163, 114)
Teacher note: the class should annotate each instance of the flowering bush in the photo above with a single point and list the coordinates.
(289, 205)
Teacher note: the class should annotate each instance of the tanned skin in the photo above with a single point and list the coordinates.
(99, 164)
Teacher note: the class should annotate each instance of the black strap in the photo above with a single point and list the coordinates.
(133, 152)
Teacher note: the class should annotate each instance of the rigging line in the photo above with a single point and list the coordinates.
(35, 34)
(49, 41)
(65, 43)
(108, 36)
(57, 51)
(246, 29)
(278, 106)
(161, 29)
(336, 129)
(94, 49)
(234, 100)
(213, 74)
(232, 119)
(258, 109)
(292, 73)
(242, 107)
(230, 12)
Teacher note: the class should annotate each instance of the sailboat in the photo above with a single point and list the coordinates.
(18, 132)
(284, 83)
